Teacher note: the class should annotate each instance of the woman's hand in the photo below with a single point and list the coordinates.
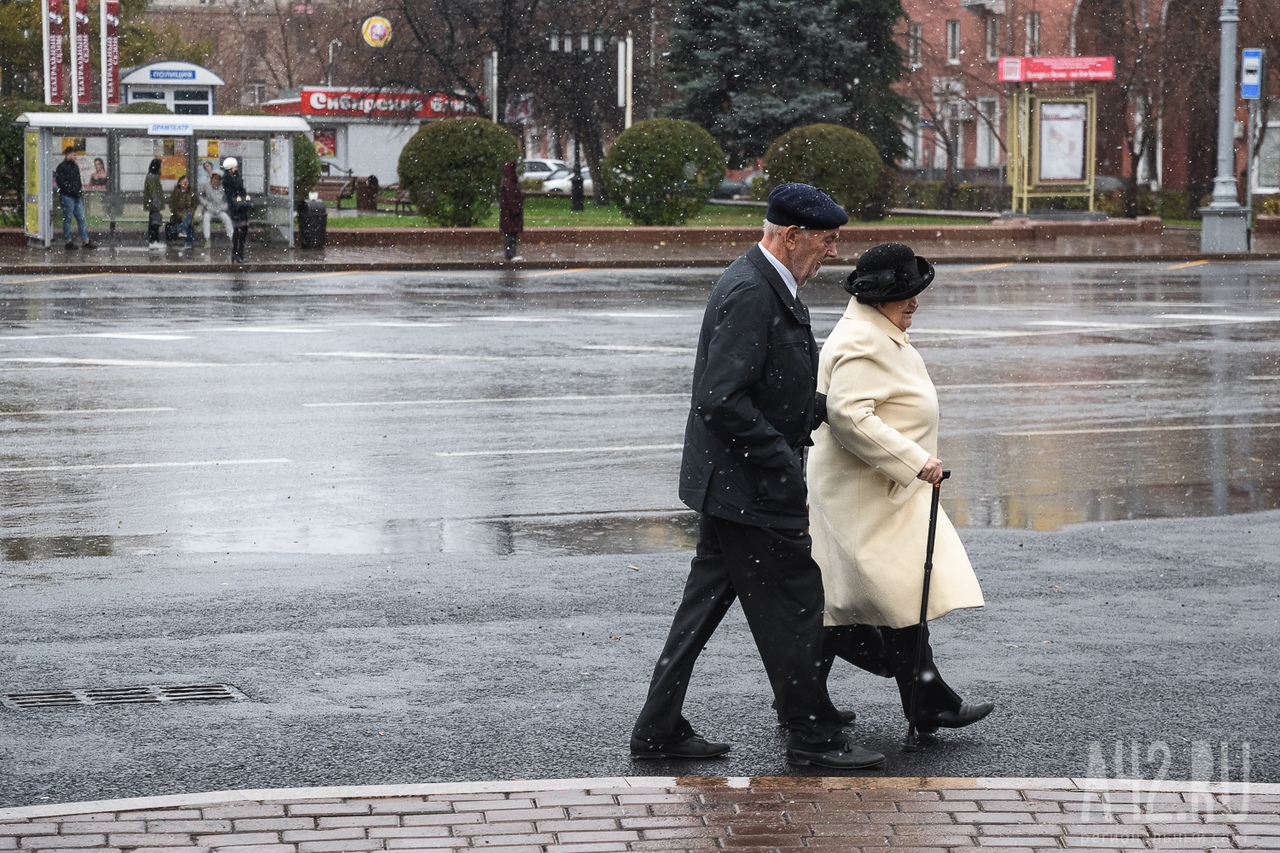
(931, 472)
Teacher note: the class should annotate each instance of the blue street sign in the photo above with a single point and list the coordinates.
(1251, 74)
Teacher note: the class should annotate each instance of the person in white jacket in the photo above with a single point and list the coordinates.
(214, 202)
(869, 474)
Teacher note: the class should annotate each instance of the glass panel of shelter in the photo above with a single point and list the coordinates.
(181, 155)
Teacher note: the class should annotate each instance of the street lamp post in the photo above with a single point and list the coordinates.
(1224, 223)
(579, 62)
(332, 44)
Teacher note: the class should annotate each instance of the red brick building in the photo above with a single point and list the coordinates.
(1157, 119)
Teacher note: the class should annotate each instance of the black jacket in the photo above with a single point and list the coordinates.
(754, 402)
(233, 187)
(67, 174)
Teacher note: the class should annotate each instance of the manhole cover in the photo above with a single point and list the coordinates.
(151, 694)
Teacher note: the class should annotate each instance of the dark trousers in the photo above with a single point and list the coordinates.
(238, 236)
(510, 241)
(780, 586)
(891, 652)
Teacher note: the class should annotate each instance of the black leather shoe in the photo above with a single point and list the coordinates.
(966, 715)
(847, 757)
(693, 746)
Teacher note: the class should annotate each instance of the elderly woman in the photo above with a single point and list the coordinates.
(869, 474)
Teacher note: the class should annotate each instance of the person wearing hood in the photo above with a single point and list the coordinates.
(869, 473)
(510, 212)
(237, 205)
(153, 202)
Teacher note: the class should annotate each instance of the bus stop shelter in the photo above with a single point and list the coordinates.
(114, 152)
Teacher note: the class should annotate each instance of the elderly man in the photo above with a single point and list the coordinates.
(754, 405)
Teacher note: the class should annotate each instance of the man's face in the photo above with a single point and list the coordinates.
(809, 250)
(71, 155)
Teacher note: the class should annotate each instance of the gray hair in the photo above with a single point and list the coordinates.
(773, 229)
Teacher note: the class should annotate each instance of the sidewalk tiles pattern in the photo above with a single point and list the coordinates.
(915, 815)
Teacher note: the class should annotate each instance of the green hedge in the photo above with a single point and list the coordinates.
(662, 171)
(842, 162)
(452, 169)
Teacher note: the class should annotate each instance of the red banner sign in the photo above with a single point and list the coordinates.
(84, 63)
(55, 73)
(1045, 69)
(112, 58)
(375, 103)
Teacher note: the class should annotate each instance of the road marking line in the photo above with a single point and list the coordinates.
(1088, 383)
(108, 362)
(550, 450)
(296, 277)
(408, 356)
(19, 280)
(1089, 324)
(1102, 430)
(512, 319)
(1224, 318)
(202, 464)
(988, 267)
(1263, 378)
(567, 398)
(271, 330)
(86, 412)
(625, 348)
(1187, 265)
(553, 272)
(393, 324)
(123, 336)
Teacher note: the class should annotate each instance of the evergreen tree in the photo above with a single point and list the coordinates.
(750, 70)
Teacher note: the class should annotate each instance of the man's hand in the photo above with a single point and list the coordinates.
(931, 472)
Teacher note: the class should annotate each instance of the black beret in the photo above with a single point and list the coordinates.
(889, 272)
(806, 206)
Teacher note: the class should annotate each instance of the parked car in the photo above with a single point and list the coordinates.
(540, 168)
(739, 187)
(561, 181)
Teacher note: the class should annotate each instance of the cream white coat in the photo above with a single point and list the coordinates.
(869, 515)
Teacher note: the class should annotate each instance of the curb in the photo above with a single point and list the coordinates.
(515, 786)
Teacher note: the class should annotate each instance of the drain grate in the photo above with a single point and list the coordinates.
(151, 694)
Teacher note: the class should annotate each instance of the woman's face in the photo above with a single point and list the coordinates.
(183, 182)
(899, 313)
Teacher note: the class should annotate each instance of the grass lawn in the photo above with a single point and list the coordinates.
(545, 211)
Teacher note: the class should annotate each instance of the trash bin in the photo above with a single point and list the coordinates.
(313, 222)
(367, 193)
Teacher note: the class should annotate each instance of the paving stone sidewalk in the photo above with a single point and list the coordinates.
(669, 814)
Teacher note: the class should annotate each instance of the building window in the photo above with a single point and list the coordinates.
(254, 94)
(953, 42)
(988, 153)
(993, 38)
(1033, 34)
(911, 136)
(915, 45)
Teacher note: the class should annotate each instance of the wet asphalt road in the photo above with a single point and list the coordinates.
(427, 524)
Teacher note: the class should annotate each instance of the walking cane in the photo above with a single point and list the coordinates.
(911, 742)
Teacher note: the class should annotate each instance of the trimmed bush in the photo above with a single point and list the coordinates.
(452, 169)
(662, 171)
(145, 108)
(306, 166)
(841, 162)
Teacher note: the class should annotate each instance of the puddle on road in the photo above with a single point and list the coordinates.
(649, 533)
